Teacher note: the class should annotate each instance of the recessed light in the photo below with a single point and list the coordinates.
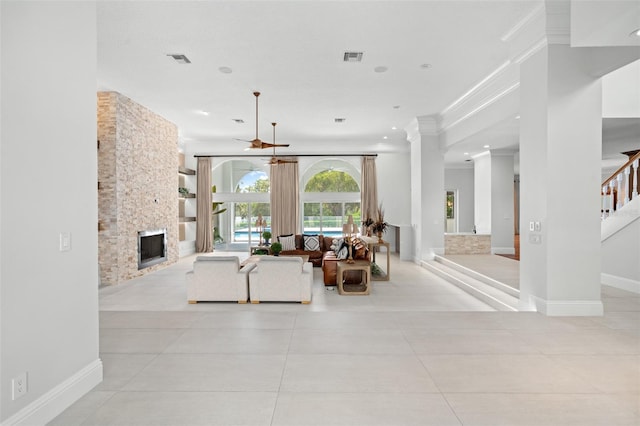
(517, 117)
(394, 128)
(179, 58)
(635, 33)
(201, 112)
(384, 137)
(380, 69)
(425, 66)
(225, 70)
(466, 153)
(486, 146)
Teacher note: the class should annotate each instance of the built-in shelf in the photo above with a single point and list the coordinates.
(186, 219)
(187, 196)
(186, 171)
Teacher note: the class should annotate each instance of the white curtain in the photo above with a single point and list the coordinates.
(369, 188)
(204, 231)
(285, 199)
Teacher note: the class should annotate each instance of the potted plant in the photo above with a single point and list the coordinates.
(379, 226)
(267, 236)
(276, 248)
(366, 225)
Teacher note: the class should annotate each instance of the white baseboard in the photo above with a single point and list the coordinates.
(503, 250)
(620, 282)
(569, 308)
(51, 404)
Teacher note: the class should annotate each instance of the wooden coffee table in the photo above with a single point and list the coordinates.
(362, 288)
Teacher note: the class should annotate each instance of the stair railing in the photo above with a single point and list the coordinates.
(621, 187)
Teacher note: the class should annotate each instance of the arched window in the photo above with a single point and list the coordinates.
(254, 181)
(330, 197)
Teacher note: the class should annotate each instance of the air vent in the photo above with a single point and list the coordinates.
(238, 120)
(339, 120)
(179, 58)
(352, 56)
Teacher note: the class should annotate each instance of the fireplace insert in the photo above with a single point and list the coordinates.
(152, 247)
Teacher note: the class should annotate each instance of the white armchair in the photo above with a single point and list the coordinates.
(281, 279)
(218, 279)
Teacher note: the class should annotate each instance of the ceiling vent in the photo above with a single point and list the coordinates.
(179, 58)
(352, 56)
(339, 120)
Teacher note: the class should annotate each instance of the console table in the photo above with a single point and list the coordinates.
(373, 247)
(354, 289)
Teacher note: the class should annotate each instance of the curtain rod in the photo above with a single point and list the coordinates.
(283, 156)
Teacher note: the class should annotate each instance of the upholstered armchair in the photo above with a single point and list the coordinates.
(218, 279)
(281, 279)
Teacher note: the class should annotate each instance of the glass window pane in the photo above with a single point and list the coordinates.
(332, 218)
(312, 220)
(240, 222)
(354, 210)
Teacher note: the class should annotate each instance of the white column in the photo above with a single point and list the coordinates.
(560, 259)
(482, 193)
(427, 187)
(502, 209)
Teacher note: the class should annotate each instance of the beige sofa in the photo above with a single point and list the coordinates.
(281, 279)
(218, 279)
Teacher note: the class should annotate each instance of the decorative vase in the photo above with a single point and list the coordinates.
(380, 240)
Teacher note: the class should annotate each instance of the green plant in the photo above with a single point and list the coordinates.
(266, 235)
(183, 191)
(276, 248)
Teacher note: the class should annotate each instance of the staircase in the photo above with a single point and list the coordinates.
(499, 296)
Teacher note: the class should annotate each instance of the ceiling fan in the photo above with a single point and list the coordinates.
(274, 159)
(257, 143)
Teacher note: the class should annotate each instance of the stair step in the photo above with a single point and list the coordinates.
(482, 291)
(478, 276)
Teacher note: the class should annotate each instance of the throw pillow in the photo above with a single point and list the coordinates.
(288, 242)
(311, 242)
(336, 245)
(343, 253)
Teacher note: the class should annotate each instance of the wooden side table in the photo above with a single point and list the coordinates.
(354, 289)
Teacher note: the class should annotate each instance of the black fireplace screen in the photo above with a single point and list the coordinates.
(152, 247)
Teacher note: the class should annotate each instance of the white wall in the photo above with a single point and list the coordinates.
(620, 254)
(394, 187)
(48, 298)
(502, 209)
(482, 192)
(462, 181)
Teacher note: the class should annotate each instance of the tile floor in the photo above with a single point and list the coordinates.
(417, 351)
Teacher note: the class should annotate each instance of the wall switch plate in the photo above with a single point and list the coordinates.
(65, 241)
(19, 386)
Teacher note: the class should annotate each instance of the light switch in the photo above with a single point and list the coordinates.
(65, 241)
(531, 226)
(537, 226)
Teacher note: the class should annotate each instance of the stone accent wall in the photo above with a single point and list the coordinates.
(137, 184)
(467, 244)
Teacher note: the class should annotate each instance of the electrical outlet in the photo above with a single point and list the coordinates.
(19, 386)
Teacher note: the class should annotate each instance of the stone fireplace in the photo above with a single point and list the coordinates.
(137, 187)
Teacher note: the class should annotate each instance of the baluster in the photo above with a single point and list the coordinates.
(627, 188)
(635, 178)
(603, 196)
(620, 202)
(612, 204)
